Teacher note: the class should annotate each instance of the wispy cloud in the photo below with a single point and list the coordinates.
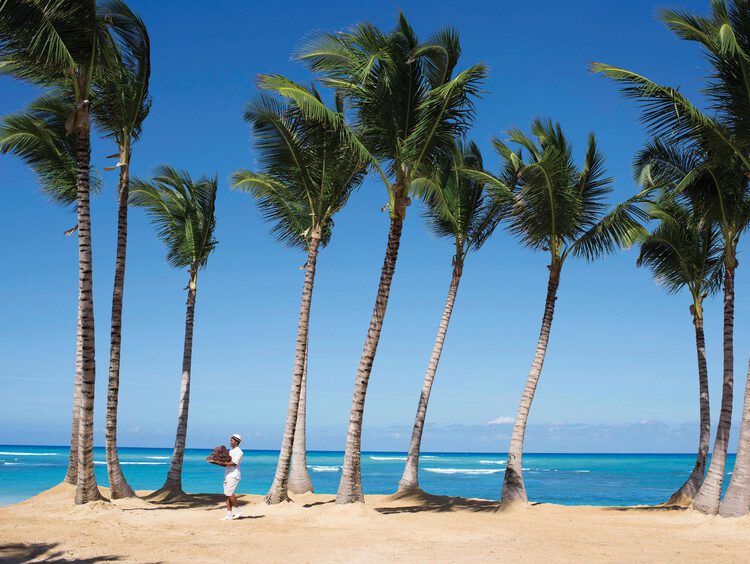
(502, 420)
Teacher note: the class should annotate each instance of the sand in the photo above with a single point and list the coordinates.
(420, 528)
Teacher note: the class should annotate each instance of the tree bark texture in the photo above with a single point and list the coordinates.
(685, 494)
(736, 502)
(86, 487)
(299, 477)
(513, 486)
(278, 491)
(173, 484)
(118, 484)
(71, 477)
(410, 478)
(709, 494)
(350, 485)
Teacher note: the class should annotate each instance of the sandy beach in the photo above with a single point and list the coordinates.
(425, 528)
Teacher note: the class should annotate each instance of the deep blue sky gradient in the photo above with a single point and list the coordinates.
(620, 372)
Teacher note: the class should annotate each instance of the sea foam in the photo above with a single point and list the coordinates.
(134, 463)
(464, 470)
(325, 468)
(28, 453)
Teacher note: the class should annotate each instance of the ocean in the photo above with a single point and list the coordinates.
(568, 479)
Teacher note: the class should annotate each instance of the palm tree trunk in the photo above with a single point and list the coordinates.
(278, 491)
(410, 478)
(71, 476)
(299, 477)
(173, 484)
(350, 486)
(86, 488)
(736, 501)
(707, 498)
(513, 487)
(118, 485)
(688, 490)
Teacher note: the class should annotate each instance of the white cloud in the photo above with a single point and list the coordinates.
(502, 420)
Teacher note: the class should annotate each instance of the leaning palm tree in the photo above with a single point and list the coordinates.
(558, 208)
(684, 252)
(712, 184)
(183, 212)
(38, 136)
(121, 103)
(306, 177)
(456, 208)
(62, 43)
(724, 36)
(408, 107)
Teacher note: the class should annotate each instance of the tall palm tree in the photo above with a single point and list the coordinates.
(724, 37)
(183, 212)
(712, 186)
(121, 103)
(683, 252)
(62, 43)
(306, 177)
(38, 136)
(558, 208)
(408, 107)
(456, 208)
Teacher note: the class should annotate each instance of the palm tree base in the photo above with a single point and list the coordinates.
(679, 499)
(344, 498)
(82, 497)
(274, 498)
(123, 492)
(408, 488)
(167, 493)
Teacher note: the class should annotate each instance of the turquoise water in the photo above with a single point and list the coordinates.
(569, 479)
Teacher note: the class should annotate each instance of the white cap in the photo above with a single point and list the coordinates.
(238, 437)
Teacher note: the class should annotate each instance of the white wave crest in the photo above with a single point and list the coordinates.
(325, 468)
(388, 458)
(28, 453)
(134, 463)
(582, 471)
(157, 457)
(464, 470)
(492, 462)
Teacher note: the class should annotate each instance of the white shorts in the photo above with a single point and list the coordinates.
(230, 484)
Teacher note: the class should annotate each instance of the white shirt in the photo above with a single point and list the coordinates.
(234, 471)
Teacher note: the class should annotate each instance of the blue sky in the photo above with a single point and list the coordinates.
(620, 371)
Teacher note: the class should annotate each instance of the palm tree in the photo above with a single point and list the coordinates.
(684, 252)
(307, 177)
(38, 136)
(121, 103)
(408, 107)
(183, 212)
(62, 43)
(724, 37)
(558, 208)
(456, 208)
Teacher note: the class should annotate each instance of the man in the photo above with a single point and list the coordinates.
(232, 477)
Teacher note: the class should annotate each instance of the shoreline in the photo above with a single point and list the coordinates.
(418, 527)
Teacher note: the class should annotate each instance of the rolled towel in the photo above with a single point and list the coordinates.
(220, 456)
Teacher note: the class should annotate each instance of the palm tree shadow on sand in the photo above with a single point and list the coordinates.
(422, 501)
(208, 502)
(44, 552)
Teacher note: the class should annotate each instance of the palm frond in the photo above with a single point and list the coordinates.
(38, 136)
(183, 212)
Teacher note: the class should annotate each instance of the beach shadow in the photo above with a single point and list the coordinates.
(648, 508)
(319, 503)
(44, 552)
(420, 501)
(207, 502)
